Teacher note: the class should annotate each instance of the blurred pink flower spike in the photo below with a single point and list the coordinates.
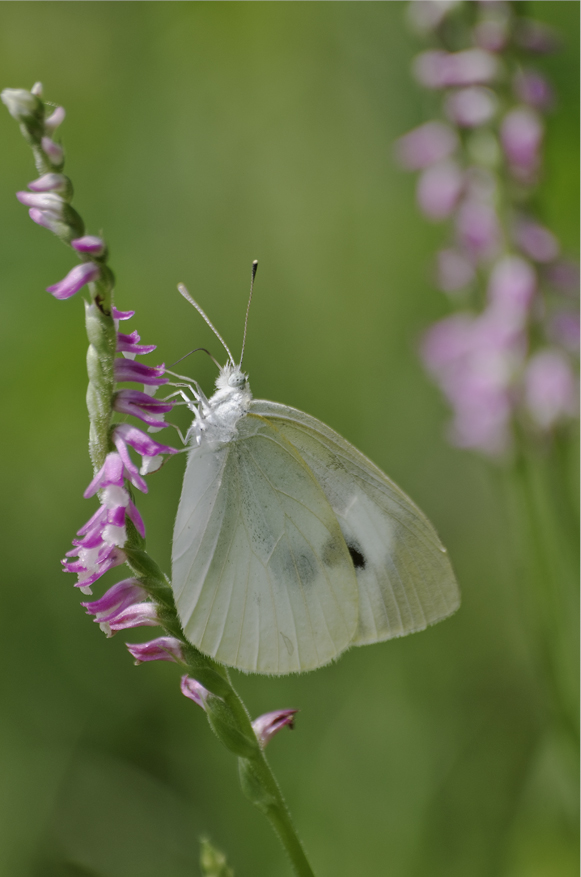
(194, 690)
(75, 280)
(164, 648)
(266, 726)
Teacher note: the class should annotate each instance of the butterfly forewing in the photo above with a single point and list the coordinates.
(262, 575)
(404, 576)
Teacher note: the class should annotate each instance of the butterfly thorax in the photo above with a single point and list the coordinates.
(216, 418)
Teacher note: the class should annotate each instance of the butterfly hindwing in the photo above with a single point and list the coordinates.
(262, 576)
(404, 576)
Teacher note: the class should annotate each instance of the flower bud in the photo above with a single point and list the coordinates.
(52, 183)
(55, 119)
(266, 726)
(53, 151)
(21, 104)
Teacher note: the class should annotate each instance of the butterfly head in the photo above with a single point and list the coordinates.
(232, 378)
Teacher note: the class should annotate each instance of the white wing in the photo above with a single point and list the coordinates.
(404, 575)
(262, 576)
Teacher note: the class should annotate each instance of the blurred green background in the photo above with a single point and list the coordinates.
(201, 136)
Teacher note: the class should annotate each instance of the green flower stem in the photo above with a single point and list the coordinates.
(548, 558)
(227, 715)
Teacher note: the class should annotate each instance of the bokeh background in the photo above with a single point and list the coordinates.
(201, 136)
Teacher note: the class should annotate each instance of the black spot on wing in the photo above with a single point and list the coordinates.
(357, 557)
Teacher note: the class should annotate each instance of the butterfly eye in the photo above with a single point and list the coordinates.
(236, 380)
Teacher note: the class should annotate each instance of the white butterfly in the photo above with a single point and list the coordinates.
(289, 544)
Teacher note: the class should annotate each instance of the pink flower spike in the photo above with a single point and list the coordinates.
(53, 151)
(164, 648)
(122, 315)
(191, 688)
(49, 183)
(89, 244)
(135, 517)
(266, 726)
(75, 280)
(128, 370)
(55, 119)
(116, 599)
(130, 468)
(431, 142)
(142, 443)
(111, 472)
(142, 406)
(130, 344)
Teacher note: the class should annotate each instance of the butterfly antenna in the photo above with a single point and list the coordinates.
(185, 356)
(252, 276)
(182, 289)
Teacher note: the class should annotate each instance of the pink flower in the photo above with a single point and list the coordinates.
(426, 145)
(194, 690)
(89, 244)
(121, 596)
(536, 241)
(438, 69)
(165, 648)
(75, 280)
(439, 188)
(521, 135)
(551, 391)
(511, 289)
(266, 726)
(142, 406)
(471, 107)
